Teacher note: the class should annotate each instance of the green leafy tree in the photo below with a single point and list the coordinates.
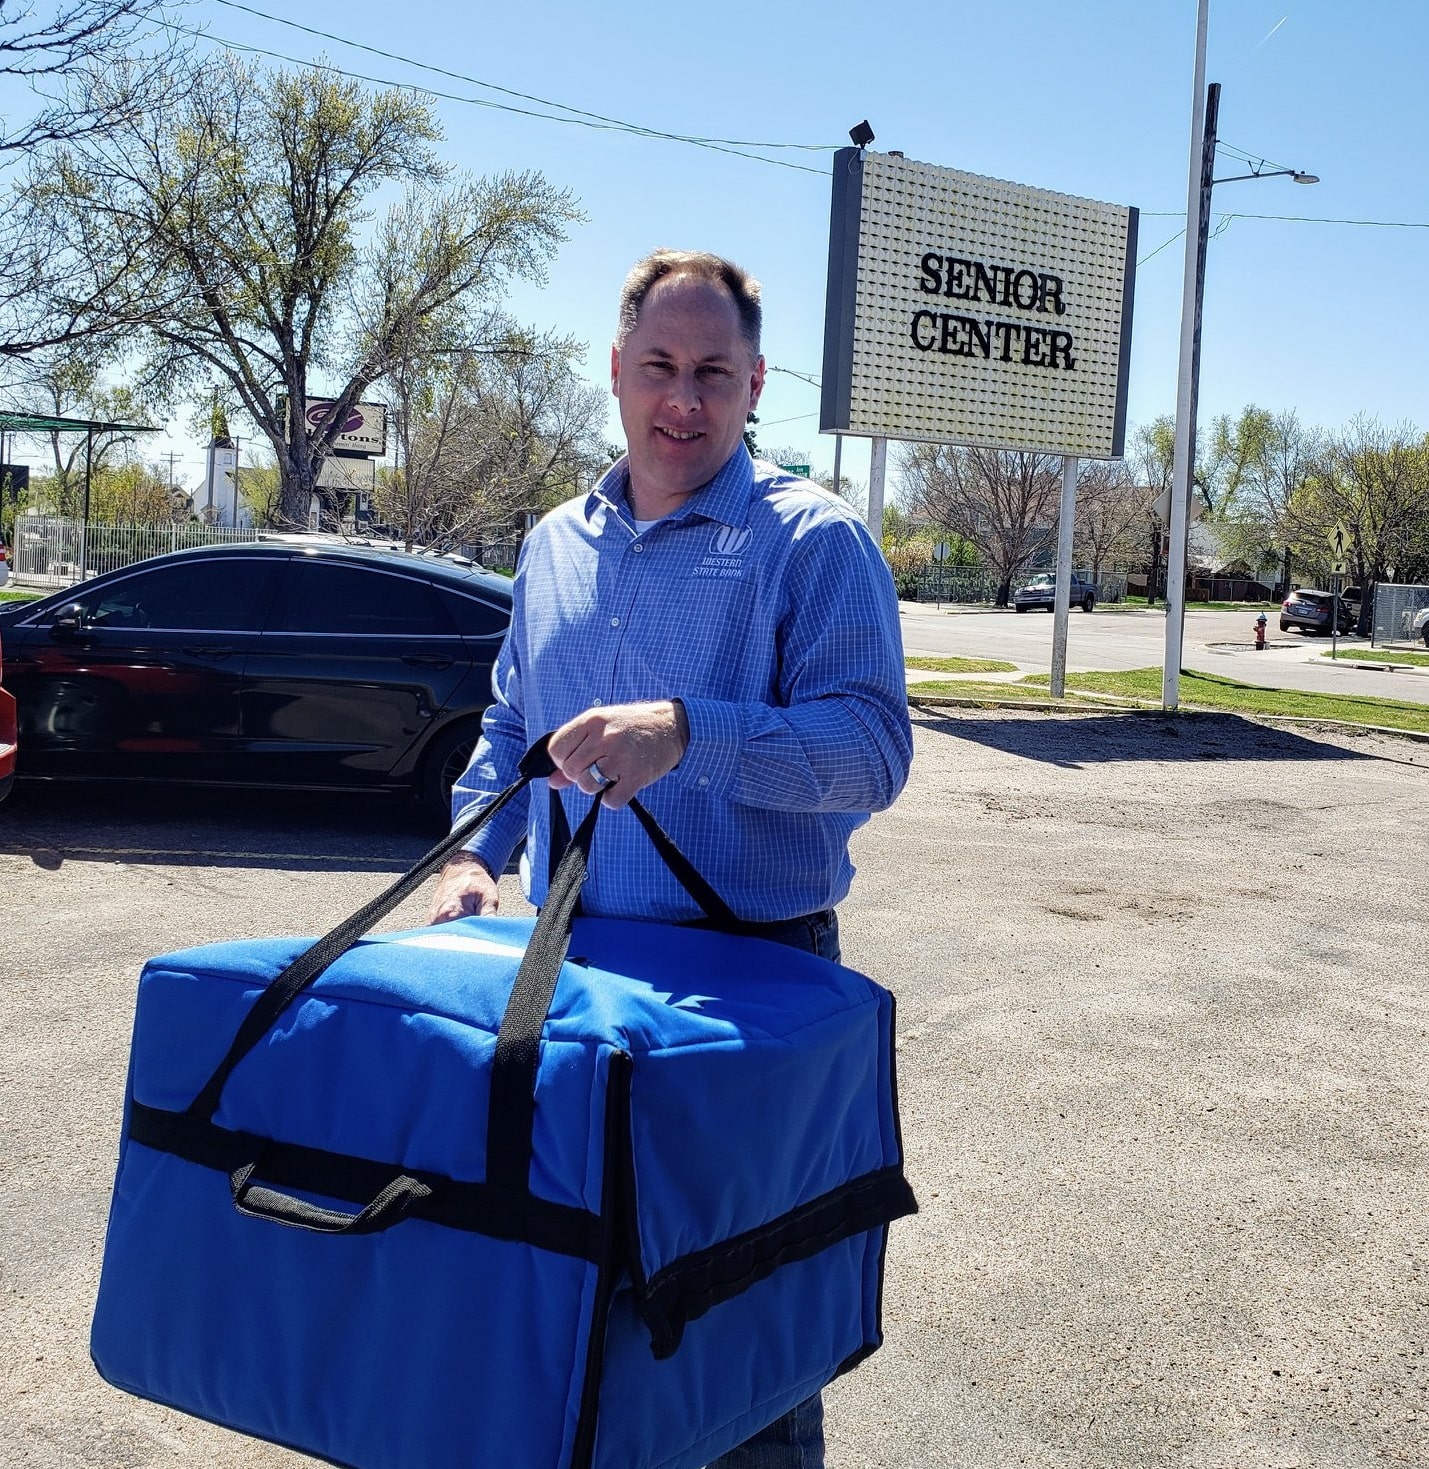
(236, 212)
(70, 381)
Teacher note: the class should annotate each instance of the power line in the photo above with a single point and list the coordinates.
(587, 120)
(1383, 224)
(458, 76)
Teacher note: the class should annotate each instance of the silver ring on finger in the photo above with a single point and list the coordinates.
(598, 775)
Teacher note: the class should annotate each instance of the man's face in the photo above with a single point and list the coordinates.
(687, 381)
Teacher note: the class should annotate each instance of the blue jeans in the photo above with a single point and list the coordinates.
(795, 1441)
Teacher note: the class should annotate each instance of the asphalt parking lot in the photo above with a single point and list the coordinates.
(1163, 1023)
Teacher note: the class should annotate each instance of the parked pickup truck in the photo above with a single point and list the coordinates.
(1041, 591)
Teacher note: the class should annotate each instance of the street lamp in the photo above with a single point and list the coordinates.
(1198, 219)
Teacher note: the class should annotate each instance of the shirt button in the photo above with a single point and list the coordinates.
(638, 547)
(704, 780)
(595, 703)
(615, 622)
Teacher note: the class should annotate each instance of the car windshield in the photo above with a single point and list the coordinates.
(1042, 579)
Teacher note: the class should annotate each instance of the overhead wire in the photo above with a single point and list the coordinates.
(581, 117)
(577, 118)
(458, 76)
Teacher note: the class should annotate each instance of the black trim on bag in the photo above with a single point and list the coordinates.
(688, 1287)
(617, 1146)
(479, 1208)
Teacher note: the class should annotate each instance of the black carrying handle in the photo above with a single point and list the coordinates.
(512, 1111)
(259, 1202)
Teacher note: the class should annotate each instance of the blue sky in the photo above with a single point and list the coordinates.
(1089, 98)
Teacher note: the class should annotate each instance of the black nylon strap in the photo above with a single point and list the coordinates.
(692, 1285)
(512, 1115)
(313, 961)
(688, 875)
(454, 1203)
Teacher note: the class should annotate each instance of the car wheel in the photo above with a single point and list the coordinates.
(1088, 602)
(1284, 626)
(1020, 607)
(1426, 634)
(448, 756)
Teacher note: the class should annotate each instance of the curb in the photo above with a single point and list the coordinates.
(1048, 706)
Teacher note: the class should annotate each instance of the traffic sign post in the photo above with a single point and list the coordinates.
(940, 555)
(1339, 568)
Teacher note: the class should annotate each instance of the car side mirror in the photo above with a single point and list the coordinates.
(70, 624)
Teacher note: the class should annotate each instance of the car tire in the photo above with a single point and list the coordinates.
(1020, 607)
(1284, 626)
(1088, 602)
(1426, 634)
(446, 758)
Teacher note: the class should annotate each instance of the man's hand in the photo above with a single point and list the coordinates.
(619, 749)
(465, 887)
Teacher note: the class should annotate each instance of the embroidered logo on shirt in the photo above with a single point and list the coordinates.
(730, 542)
(726, 558)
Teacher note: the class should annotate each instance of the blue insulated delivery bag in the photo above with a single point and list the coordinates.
(520, 1193)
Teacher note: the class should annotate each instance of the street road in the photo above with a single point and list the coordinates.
(1220, 643)
(1162, 1025)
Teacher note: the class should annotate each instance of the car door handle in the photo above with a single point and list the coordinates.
(210, 652)
(427, 660)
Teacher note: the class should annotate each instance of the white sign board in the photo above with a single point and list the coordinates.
(364, 430)
(969, 310)
(348, 476)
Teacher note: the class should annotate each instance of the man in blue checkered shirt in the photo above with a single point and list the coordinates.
(714, 630)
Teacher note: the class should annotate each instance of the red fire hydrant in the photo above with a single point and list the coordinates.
(1260, 633)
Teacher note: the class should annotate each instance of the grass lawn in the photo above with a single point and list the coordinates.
(1383, 655)
(15, 594)
(994, 693)
(960, 665)
(1142, 687)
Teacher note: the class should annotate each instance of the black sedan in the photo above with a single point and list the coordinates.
(1312, 611)
(323, 666)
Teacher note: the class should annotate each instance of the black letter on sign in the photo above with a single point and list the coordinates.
(931, 319)
(932, 281)
(948, 343)
(1052, 291)
(1062, 347)
(1017, 283)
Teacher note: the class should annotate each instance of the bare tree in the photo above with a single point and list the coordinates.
(1004, 503)
(486, 437)
(1112, 512)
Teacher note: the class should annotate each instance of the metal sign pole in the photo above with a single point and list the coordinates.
(1198, 205)
(877, 468)
(1065, 526)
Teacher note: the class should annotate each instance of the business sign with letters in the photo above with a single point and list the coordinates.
(364, 430)
(968, 310)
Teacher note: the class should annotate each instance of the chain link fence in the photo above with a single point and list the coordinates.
(939, 583)
(1401, 614)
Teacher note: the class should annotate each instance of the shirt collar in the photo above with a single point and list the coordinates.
(725, 498)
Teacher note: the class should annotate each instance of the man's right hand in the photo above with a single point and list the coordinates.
(465, 887)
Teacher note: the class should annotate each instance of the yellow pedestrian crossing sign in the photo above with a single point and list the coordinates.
(1339, 542)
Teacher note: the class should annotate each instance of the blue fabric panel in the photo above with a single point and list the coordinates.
(375, 1351)
(760, 1082)
(740, 1367)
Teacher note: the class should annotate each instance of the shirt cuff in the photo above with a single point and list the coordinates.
(710, 764)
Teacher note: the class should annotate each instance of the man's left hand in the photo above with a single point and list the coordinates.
(619, 749)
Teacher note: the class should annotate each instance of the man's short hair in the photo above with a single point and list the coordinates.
(703, 266)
